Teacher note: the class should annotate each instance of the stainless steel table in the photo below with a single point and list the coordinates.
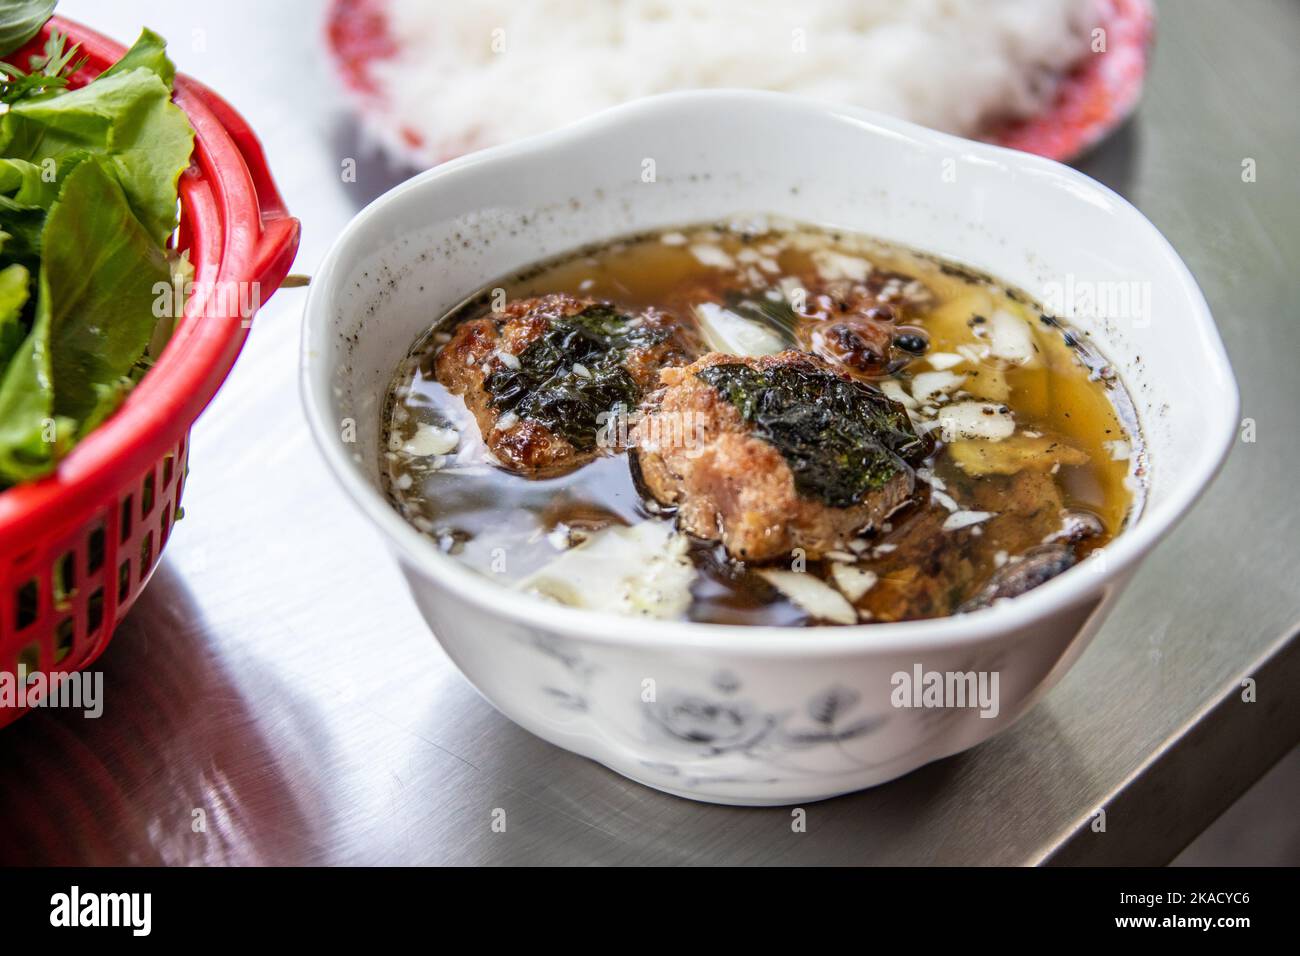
(276, 677)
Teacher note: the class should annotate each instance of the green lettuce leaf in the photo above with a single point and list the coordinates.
(100, 276)
(26, 192)
(20, 20)
(128, 119)
(149, 52)
(13, 296)
(23, 185)
(88, 200)
(30, 438)
(13, 291)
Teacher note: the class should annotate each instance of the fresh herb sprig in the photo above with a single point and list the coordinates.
(50, 71)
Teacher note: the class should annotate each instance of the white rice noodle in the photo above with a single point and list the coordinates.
(470, 75)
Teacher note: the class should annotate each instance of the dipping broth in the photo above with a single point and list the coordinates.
(954, 447)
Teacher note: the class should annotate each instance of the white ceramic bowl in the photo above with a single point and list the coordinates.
(760, 715)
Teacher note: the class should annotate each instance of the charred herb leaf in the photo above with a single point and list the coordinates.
(546, 388)
(841, 439)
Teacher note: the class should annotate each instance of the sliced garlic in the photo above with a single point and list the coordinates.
(813, 595)
(643, 569)
(833, 265)
(713, 256)
(965, 519)
(941, 361)
(1011, 338)
(926, 385)
(976, 420)
(725, 331)
(854, 582)
(431, 440)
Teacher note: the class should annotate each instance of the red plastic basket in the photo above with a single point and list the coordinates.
(77, 547)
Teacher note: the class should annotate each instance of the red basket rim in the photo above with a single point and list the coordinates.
(239, 232)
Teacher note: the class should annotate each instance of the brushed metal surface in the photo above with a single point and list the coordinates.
(276, 682)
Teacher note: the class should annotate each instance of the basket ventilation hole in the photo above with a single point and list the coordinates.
(65, 579)
(63, 638)
(146, 496)
(128, 505)
(123, 580)
(29, 660)
(95, 551)
(26, 611)
(165, 528)
(168, 461)
(94, 612)
(146, 554)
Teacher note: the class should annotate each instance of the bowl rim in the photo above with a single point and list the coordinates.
(611, 628)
